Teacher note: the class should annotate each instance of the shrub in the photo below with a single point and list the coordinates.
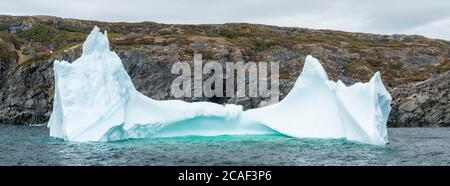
(39, 33)
(70, 28)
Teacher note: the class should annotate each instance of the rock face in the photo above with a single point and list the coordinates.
(414, 68)
(422, 103)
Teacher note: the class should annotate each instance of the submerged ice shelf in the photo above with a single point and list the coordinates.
(95, 100)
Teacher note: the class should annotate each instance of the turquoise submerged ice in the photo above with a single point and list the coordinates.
(95, 100)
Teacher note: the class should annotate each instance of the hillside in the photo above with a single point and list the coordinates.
(415, 69)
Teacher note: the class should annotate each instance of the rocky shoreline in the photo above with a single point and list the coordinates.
(414, 68)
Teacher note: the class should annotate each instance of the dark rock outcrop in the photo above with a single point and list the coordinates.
(425, 103)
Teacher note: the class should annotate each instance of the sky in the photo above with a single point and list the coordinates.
(428, 18)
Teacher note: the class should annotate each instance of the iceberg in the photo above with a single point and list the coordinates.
(95, 100)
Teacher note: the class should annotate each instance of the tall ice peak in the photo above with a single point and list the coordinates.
(96, 42)
(313, 69)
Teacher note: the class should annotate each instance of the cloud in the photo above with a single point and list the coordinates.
(429, 18)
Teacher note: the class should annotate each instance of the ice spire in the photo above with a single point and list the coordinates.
(313, 69)
(383, 97)
(96, 42)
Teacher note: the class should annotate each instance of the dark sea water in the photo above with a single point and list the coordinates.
(26, 145)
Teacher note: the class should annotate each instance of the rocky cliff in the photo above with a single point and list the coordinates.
(414, 68)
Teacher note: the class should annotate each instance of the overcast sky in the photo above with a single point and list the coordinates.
(429, 18)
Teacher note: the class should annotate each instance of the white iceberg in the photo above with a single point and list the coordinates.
(95, 100)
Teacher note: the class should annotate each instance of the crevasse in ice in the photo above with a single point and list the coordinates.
(95, 100)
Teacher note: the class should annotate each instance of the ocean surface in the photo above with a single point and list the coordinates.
(28, 145)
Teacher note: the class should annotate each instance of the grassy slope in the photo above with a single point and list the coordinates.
(365, 53)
